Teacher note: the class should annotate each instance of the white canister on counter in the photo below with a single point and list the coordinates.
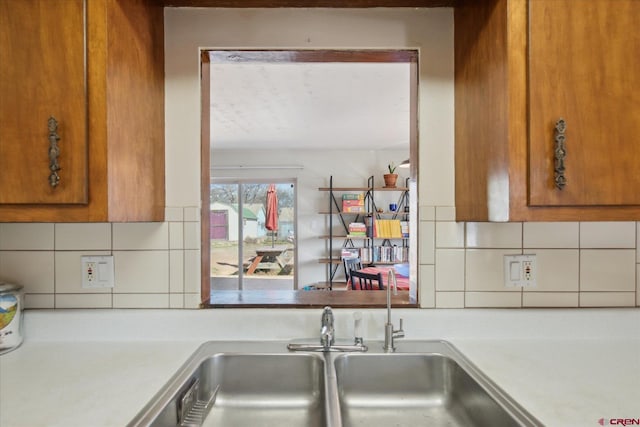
(11, 305)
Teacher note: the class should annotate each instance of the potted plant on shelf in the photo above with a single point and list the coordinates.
(391, 177)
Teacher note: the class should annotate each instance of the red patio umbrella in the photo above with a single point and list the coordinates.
(271, 222)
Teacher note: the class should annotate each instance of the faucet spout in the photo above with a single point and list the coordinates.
(327, 331)
(389, 333)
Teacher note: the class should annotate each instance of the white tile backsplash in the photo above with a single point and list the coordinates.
(445, 213)
(141, 300)
(427, 286)
(39, 301)
(493, 299)
(550, 299)
(176, 235)
(176, 271)
(427, 213)
(191, 235)
(449, 234)
(141, 272)
(427, 242)
(83, 301)
(450, 269)
(447, 299)
(557, 270)
(637, 242)
(191, 214)
(607, 299)
(34, 270)
(86, 237)
(494, 235)
(192, 271)
(176, 301)
(174, 214)
(607, 235)
(158, 265)
(607, 270)
(141, 236)
(485, 270)
(551, 235)
(192, 300)
(17, 237)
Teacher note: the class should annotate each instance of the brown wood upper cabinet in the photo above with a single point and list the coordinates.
(521, 66)
(97, 67)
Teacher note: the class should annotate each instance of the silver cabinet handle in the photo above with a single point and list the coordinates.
(560, 153)
(54, 152)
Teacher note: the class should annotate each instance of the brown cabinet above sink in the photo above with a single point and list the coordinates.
(522, 67)
(97, 68)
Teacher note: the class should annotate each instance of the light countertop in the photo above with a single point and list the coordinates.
(73, 380)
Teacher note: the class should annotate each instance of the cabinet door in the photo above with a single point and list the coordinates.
(584, 67)
(42, 75)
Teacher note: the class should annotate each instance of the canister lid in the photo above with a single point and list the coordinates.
(8, 287)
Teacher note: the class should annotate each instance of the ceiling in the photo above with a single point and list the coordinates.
(310, 105)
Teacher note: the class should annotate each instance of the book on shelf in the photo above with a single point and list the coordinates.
(368, 222)
(353, 196)
(350, 253)
(357, 235)
(353, 202)
(390, 254)
(404, 227)
(387, 228)
(357, 229)
(366, 255)
(377, 254)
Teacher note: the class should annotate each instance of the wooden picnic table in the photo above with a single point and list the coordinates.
(268, 258)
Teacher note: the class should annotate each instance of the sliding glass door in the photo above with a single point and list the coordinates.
(252, 235)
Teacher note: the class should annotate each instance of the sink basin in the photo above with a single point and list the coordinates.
(417, 389)
(242, 390)
(262, 384)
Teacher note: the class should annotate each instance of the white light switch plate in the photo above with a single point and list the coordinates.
(520, 270)
(97, 271)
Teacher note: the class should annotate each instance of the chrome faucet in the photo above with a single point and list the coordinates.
(389, 333)
(327, 336)
(327, 332)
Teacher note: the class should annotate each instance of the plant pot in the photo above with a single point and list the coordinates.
(390, 180)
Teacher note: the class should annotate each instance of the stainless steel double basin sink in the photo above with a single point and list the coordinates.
(424, 383)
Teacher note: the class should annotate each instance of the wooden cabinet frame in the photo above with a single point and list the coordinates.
(491, 115)
(125, 60)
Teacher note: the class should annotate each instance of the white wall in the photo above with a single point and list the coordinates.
(429, 30)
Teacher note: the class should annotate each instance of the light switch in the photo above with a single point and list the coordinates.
(514, 271)
(103, 271)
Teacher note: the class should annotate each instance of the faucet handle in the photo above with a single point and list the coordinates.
(357, 327)
(327, 316)
(400, 332)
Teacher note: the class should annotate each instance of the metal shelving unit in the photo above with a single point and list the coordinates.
(372, 211)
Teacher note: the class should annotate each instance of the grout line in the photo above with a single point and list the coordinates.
(114, 266)
(522, 252)
(579, 264)
(464, 260)
(54, 267)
